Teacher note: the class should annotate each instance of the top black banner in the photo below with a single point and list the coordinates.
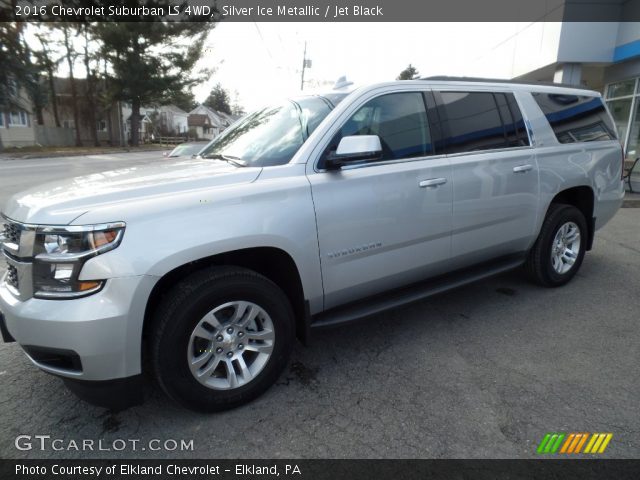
(320, 10)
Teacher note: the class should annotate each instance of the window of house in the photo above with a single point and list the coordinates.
(1, 119)
(101, 125)
(67, 123)
(576, 118)
(18, 119)
(13, 87)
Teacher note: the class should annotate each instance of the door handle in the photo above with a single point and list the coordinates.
(432, 182)
(522, 168)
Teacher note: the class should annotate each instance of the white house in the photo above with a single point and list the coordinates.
(16, 129)
(219, 120)
(173, 120)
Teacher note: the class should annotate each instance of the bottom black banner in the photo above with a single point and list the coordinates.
(319, 469)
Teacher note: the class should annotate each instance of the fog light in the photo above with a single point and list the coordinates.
(62, 271)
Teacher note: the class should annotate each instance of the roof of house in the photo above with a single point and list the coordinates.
(216, 119)
(142, 117)
(172, 109)
(198, 120)
(228, 118)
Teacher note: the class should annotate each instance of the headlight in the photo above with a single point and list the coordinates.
(60, 253)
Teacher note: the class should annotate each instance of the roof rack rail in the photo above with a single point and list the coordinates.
(502, 80)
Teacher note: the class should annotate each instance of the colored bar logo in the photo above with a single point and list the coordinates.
(571, 443)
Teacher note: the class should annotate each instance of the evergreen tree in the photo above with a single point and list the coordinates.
(409, 73)
(219, 99)
(151, 61)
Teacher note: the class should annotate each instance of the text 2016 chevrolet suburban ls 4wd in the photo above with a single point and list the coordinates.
(310, 212)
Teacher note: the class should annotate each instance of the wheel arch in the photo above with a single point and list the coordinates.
(583, 198)
(273, 263)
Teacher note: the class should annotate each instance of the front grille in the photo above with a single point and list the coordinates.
(12, 277)
(16, 248)
(11, 232)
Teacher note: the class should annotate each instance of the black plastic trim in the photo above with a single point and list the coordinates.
(591, 226)
(6, 336)
(117, 394)
(304, 332)
(373, 305)
(55, 357)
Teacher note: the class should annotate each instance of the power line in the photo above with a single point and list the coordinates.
(263, 42)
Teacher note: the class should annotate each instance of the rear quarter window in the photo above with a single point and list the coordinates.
(576, 118)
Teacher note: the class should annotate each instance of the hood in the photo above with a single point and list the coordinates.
(60, 202)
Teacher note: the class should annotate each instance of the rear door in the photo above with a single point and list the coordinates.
(495, 175)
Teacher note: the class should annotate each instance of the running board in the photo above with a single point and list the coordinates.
(413, 293)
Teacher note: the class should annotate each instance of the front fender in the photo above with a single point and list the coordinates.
(276, 212)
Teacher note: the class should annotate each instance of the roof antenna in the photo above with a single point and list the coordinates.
(341, 83)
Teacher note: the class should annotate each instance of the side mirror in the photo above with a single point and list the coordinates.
(355, 148)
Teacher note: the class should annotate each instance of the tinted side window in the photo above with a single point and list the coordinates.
(516, 135)
(575, 118)
(473, 122)
(399, 119)
(518, 121)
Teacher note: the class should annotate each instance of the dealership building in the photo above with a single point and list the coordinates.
(604, 56)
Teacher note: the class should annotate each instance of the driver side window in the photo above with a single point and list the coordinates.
(399, 119)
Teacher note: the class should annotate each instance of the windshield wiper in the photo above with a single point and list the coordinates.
(237, 161)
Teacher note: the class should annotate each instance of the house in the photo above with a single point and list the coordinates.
(113, 120)
(54, 124)
(16, 128)
(172, 120)
(229, 119)
(58, 127)
(217, 124)
(219, 120)
(201, 126)
(146, 128)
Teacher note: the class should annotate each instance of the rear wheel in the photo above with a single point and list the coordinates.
(559, 250)
(221, 338)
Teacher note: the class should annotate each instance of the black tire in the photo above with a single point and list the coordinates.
(180, 311)
(539, 265)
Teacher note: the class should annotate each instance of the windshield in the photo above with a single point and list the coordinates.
(269, 136)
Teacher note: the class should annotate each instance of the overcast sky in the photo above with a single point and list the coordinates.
(263, 59)
(257, 62)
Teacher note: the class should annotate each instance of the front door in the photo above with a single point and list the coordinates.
(383, 224)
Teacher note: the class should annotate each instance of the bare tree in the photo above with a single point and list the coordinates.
(70, 56)
(46, 60)
(90, 88)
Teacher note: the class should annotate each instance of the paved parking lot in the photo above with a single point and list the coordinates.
(483, 371)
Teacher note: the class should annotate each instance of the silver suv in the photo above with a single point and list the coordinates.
(311, 212)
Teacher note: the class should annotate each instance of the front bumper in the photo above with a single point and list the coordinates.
(104, 330)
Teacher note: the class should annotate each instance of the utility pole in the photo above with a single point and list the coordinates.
(305, 64)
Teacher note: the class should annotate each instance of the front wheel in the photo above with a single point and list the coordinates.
(221, 338)
(559, 250)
